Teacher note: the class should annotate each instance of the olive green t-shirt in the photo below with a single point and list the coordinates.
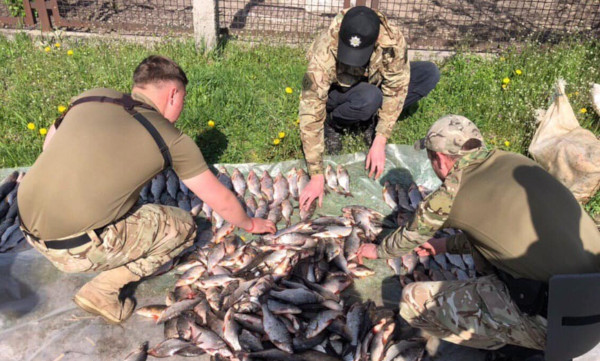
(93, 169)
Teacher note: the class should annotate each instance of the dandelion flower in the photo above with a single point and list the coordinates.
(276, 141)
(289, 90)
(69, 52)
(518, 72)
(502, 58)
(47, 49)
(57, 45)
(30, 126)
(61, 109)
(583, 110)
(298, 121)
(506, 143)
(506, 80)
(504, 86)
(211, 123)
(576, 93)
(43, 131)
(281, 135)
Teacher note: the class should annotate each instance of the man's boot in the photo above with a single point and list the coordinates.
(100, 296)
(333, 138)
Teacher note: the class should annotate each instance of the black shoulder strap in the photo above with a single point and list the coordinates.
(128, 103)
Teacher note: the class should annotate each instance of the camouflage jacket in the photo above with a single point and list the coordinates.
(432, 214)
(388, 69)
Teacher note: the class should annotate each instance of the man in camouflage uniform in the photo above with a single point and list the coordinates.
(77, 203)
(521, 225)
(358, 75)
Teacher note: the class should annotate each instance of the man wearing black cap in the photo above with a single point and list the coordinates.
(358, 75)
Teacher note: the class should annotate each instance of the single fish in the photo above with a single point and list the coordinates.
(343, 179)
(414, 195)
(168, 347)
(239, 183)
(321, 322)
(403, 200)
(250, 342)
(251, 206)
(380, 340)
(172, 183)
(331, 178)
(297, 296)
(334, 232)
(276, 330)
(303, 180)
(275, 214)
(306, 215)
(207, 210)
(281, 189)
(151, 311)
(231, 331)
(176, 309)
(224, 178)
(266, 186)
(159, 183)
(183, 202)
(263, 209)
(254, 184)
(390, 196)
(286, 211)
(292, 179)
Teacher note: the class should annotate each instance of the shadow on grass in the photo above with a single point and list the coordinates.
(213, 144)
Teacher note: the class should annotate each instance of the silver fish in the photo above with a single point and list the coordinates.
(239, 183)
(168, 347)
(292, 178)
(321, 322)
(276, 330)
(254, 184)
(286, 211)
(306, 215)
(263, 209)
(275, 213)
(303, 180)
(176, 309)
(224, 178)
(331, 178)
(390, 196)
(414, 195)
(343, 179)
(266, 186)
(251, 206)
(281, 189)
(231, 331)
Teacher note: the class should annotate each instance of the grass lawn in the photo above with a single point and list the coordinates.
(243, 92)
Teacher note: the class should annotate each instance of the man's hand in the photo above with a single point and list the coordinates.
(367, 250)
(376, 157)
(260, 226)
(314, 189)
(432, 247)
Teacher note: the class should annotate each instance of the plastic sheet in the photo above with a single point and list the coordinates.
(38, 320)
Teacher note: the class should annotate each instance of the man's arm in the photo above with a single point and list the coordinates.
(312, 113)
(430, 217)
(208, 188)
(396, 76)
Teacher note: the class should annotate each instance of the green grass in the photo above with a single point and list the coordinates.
(243, 91)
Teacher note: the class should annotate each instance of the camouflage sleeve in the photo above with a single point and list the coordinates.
(315, 88)
(458, 244)
(396, 76)
(431, 216)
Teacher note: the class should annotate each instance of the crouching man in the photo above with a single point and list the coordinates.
(522, 227)
(78, 201)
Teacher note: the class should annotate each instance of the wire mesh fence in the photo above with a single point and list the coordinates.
(426, 24)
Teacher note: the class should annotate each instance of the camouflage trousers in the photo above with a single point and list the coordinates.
(145, 239)
(477, 313)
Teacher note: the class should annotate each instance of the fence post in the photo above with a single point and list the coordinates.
(205, 23)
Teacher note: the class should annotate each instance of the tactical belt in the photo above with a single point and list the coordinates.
(128, 103)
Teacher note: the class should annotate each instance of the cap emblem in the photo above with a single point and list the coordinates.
(355, 41)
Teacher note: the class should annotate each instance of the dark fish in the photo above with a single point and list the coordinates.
(321, 322)
(251, 206)
(172, 183)
(250, 342)
(224, 178)
(275, 214)
(276, 330)
(159, 183)
(263, 209)
(141, 354)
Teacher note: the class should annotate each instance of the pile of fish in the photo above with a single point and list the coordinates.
(263, 197)
(10, 234)
(278, 298)
(414, 268)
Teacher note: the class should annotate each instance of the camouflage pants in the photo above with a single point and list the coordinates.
(477, 313)
(144, 240)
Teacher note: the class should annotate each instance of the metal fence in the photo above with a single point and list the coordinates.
(427, 24)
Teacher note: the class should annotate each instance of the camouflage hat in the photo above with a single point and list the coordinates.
(448, 134)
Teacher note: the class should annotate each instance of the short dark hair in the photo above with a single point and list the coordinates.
(157, 68)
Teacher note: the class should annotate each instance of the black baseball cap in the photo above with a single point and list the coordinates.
(357, 37)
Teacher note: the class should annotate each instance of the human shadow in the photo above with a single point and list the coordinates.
(213, 144)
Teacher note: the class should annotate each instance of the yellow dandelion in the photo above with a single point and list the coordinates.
(583, 110)
(506, 80)
(30, 126)
(504, 86)
(61, 109)
(518, 72)
(43, 131)
(211, 123)
(506, 143)
(276, 141)
(298, 121)
(57, 45)
(281, 135)
(289, 90)
(502, 58)
(47, 49)
(69, 52)
(576, 93)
